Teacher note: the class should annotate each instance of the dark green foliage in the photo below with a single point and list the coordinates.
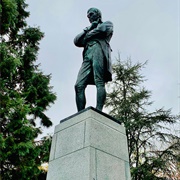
(153, 149)
(25, 95)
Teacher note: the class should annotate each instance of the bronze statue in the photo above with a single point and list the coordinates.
(96, 66)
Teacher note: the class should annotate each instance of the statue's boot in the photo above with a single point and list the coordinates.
(101, 97)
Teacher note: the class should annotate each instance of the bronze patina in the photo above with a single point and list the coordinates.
(96, 65)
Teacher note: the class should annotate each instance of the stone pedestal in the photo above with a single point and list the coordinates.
(89, 145)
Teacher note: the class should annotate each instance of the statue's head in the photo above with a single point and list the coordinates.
(94, 14)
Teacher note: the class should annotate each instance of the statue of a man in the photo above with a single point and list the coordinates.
(96, 66)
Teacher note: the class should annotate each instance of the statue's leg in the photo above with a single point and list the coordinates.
(81, 84)
(101, 96)
(80, 97)
(98, 70)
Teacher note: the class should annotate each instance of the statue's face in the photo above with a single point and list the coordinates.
(93, 16)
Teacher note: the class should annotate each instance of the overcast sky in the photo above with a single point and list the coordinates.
(143, 30)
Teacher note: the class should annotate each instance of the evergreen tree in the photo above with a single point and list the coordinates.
(153, 149)
(25, 94)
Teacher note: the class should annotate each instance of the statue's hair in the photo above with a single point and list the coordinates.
(95, 10)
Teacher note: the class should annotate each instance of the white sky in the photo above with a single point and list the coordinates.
(143, 29)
